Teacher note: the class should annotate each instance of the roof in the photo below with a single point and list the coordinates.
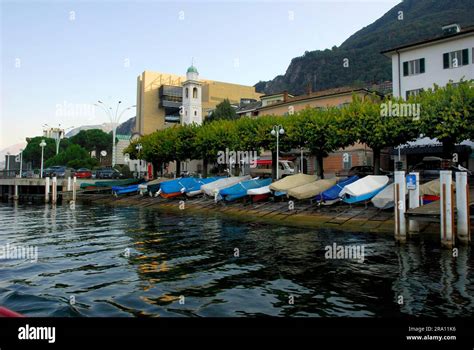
(192, 69)
(463, 32)
(249, 107)
(321, 94)
(276, 94)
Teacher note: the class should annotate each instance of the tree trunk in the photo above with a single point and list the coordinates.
(178, 168)
(448, 149)
(376, 161)
(320, 161)
(274, 165)
(204, 167)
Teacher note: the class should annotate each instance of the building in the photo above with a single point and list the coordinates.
(160, 98)
(417, 67)
(420, 65)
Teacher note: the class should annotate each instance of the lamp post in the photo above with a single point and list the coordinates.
(21, 162)
(8, 164)
(42, 145)
(114, 120)
(139, 147)
(57, 134)
(277, 131)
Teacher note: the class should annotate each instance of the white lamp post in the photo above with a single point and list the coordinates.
(277, 131)
(42, 145)
(139, 147)
(8, 164)
(114, 120)
(21, 162)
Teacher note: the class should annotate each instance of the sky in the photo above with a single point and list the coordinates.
(60, 57)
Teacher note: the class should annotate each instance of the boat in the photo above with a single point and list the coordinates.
(118, 190)
(282, 186)
(363, 189)
(213, 188)
(431, 191)
(176, 187)
(311, 189)
(4, 312)
(96, 184)
(259, 194)
(385, 199)
(240, 189)
(195, 190)
(331, 195)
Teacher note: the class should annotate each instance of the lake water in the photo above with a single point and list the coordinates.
(104, 261)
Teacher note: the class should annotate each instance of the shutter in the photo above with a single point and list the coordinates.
(422, 65)
(465, 57)
(446, 60)
(405, 69)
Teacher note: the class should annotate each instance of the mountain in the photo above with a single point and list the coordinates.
(125, 128)
(323, 69)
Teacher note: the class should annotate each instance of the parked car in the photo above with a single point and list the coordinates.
(263, 168)
(30, 173)
(58, 171)
(108, 173)
(364, 170)
(430, 167)
(83, 173)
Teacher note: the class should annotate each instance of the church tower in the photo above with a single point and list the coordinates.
(191, 111)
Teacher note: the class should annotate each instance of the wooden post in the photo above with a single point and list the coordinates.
(447, 209)
(414, 202)
(46, 190)
(400, 206)
(462, 208)
(55, 190)
(16, 195)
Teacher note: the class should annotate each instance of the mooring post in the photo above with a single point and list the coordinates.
(16, 196)
(400, 206)
(447, 208)
(55, 190)
(69, 183)
(74, 189)
(413, 201)
(46, 190)
(462, 208)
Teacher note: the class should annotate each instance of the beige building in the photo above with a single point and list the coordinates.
(160, 97)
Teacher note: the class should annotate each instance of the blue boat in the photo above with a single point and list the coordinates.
(182, 185)
(332, 193)
(117, 190)
(199, 182)
(239, 190)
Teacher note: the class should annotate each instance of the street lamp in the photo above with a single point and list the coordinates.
(21, 162)
(114, 120)
(42, 145)
(57, 134)
(139, 147)
(277, 131)
(8, 164)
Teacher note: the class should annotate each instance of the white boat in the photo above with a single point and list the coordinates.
(258, 191)
(385, 198)
(214, 187)
(364, 189)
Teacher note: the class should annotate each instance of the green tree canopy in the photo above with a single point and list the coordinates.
(93, 140)
(32, 152)
(73, 156)
(224, 110)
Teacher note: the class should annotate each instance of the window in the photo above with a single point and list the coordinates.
(455, 59)
(195, 93)
(346, 161)
(415, 92)
(187, 93)
(414, 67)
(195, 113)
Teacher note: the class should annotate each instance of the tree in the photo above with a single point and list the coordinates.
(224, 110)
(73, 156)
(93, 140)
(377, 130)
(32, 152)
(447, 114)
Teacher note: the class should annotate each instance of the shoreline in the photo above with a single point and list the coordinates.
(355, 218)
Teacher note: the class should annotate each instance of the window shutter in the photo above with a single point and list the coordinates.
(465, 57)
(446, 60)
(405, 69)
(422, 65)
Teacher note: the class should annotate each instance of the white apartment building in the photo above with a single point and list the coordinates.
(420, 65)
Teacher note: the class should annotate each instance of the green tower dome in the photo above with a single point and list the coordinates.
(192, 69)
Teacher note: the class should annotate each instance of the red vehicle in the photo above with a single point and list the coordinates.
(83, 173)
